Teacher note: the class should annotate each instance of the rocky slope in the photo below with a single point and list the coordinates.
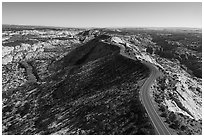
(92, 89)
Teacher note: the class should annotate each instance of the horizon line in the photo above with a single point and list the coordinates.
(187, 27)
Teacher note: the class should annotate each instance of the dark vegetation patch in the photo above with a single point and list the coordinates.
(19, 42)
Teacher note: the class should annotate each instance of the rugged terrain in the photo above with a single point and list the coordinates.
(76, 81)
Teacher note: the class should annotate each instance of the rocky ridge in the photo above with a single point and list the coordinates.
(91, 89)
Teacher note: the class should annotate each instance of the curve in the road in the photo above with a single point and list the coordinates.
(160, 127)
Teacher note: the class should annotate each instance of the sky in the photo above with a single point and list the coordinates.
(120, 14)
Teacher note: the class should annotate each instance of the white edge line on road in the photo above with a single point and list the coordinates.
(159, 117)
(151, 118)
(147, 110)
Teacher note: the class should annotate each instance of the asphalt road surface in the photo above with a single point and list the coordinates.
(160, 127)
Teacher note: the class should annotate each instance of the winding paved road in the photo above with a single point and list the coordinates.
(160, 127)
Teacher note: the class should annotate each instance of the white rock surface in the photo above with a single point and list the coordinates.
(7, 59)
(116, 40)
(173, 107)
(190, 99)
(6, 50)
